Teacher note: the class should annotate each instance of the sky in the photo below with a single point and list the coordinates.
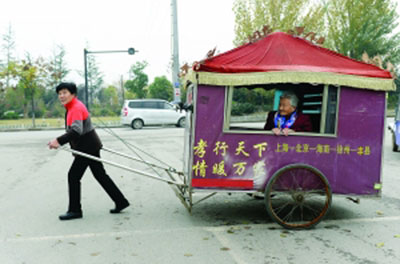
(145, 25)
(40, 25)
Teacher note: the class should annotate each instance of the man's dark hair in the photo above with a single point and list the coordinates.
(71, 87)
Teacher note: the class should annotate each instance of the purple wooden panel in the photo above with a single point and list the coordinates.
(351, 161)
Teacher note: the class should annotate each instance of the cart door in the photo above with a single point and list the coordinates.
(188, 145)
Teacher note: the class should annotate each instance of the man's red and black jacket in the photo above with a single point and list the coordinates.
(79, 130)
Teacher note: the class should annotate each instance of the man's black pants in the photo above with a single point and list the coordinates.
(75, 174)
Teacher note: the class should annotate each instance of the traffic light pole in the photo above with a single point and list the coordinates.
(131, 51)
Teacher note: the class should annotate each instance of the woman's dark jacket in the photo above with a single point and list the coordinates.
(301, 124)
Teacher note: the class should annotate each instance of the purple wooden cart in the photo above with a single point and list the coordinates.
(228, 150)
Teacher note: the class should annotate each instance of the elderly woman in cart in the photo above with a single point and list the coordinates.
(288, 119)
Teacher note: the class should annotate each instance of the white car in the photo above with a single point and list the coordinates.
(392, 128)
(146, 112)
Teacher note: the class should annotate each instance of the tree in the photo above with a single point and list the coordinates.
(283, 15)
(12, 100)
(362, 26)
(108, 101)
(350, 27)
(95, 78)
(30, 75)
(9, 49)
(365, 26)
(161, 88)
(52, 107)
(139, 80)
(58, 69)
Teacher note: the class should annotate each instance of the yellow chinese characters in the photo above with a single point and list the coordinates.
(284, 147)
(323, 149)
(200, 168)
(240, 168)
(363, 150)
(200, 148)
(240, 149)
(261, 147)
(237, 166)
(219, 168)
(220, 148)
(346, 149)
(302, 148)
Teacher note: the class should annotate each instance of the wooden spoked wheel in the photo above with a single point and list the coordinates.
(298, 196)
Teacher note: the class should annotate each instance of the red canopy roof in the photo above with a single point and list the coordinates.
(283, 52)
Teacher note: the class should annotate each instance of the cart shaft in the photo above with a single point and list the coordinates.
(121, 166)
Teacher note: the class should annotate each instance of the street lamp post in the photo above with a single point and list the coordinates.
(130, 51)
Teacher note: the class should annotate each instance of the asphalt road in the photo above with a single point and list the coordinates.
(157, 228)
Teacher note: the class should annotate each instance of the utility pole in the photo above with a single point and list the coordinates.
(122, 89)
(85, 52)
(175, 52)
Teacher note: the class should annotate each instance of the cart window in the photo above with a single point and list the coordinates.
(247, 108)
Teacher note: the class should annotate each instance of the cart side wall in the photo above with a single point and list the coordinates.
(351, 161)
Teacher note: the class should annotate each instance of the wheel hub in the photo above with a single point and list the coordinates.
(299, 197)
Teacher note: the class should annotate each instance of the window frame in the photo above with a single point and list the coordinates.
(228, 108)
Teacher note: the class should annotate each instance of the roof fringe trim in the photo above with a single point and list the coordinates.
(235, 79)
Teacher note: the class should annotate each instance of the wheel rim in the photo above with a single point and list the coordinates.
(298, 196)
(182, 122)
(137, 124)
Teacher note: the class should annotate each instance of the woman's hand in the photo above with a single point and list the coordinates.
(286, 131)
(276, 131)
(53, 144)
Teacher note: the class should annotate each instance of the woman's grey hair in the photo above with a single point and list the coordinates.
(292, 97)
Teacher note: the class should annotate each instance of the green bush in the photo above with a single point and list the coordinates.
(10, 115)
(106, 112)
(96, 110)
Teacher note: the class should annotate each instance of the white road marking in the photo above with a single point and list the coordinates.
(215, 230)
(225, 242)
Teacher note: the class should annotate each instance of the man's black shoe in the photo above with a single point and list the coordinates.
(119, 208)
(70, 215)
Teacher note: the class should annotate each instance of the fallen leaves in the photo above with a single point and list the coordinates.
(379, 245)
(284, 233)
(380, 213)
(232, 229)
(332, 227)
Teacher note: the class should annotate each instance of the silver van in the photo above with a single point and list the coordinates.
(145, 112)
